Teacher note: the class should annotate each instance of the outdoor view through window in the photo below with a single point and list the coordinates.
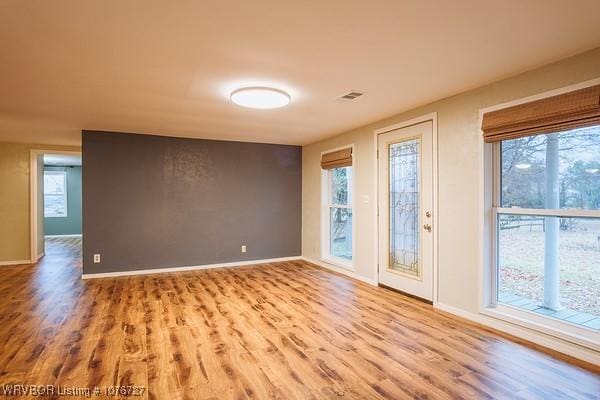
(340, 212)
(55, 194)
(551, 264)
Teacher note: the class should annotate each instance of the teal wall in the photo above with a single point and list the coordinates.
(71, 224)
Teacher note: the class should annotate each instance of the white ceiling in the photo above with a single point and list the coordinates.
(166, 67)
(64, 160)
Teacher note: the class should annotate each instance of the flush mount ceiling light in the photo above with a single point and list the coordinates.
(592, 170)
(260, 97)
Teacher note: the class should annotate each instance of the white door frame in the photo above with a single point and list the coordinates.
(33, 180)
(424, 118)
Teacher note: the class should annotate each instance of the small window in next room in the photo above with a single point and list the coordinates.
(337, 232)
(55, 194)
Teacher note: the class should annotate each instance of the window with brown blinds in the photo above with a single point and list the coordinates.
(337, 159)
(558, 113)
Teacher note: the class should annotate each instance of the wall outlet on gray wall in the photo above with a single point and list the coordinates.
(96, 258)
(243, 248)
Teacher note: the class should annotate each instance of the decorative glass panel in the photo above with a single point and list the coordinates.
(340, 222)
(404, 207)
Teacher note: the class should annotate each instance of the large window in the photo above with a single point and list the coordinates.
(55, 194)
(547, 225)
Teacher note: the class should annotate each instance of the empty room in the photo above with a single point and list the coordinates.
(299, 199)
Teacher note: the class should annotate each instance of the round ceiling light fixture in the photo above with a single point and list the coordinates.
(263, 98)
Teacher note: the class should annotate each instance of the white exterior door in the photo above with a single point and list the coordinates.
(405, 186)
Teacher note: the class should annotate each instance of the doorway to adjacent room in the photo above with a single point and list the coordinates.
(56, 202)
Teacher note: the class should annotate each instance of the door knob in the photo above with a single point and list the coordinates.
(427, 227)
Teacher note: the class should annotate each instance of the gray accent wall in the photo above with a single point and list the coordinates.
(71, 224)
(161, 202)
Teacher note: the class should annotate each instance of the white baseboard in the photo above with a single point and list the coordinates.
(187, 268)
(40, 256)
(17, 262)
(550, 342)
(65, 236)
(342, 271)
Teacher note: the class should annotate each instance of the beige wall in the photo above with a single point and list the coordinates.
(460, 151)
(14, 199)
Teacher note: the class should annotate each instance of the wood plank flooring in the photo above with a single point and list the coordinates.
(286, 330)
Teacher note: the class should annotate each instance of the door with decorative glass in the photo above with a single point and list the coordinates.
(405, 209)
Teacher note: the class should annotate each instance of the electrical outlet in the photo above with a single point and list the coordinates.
(96, 258)
(243, 248)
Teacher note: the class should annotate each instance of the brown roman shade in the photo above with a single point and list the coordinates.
(337, 159)
(566, 111)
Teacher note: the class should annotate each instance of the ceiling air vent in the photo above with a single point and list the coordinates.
(351, 96)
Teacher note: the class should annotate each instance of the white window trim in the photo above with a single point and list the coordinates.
(546, 212)
(489, 209)
(64, 195)
(325, 205)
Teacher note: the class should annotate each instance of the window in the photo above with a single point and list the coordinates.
(548, 225)
(340, 213)
(543, 170)
(337, 207)
(55, 194)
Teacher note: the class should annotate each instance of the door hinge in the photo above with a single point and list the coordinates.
(377, 153)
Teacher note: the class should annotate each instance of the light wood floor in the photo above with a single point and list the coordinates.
(285, 330)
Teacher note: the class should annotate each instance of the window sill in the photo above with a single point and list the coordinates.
(579, 335)
(336, 262)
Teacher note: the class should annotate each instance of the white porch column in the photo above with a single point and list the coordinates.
(552, 227)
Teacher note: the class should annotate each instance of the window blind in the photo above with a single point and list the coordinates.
(337, 159)
(562, 112)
